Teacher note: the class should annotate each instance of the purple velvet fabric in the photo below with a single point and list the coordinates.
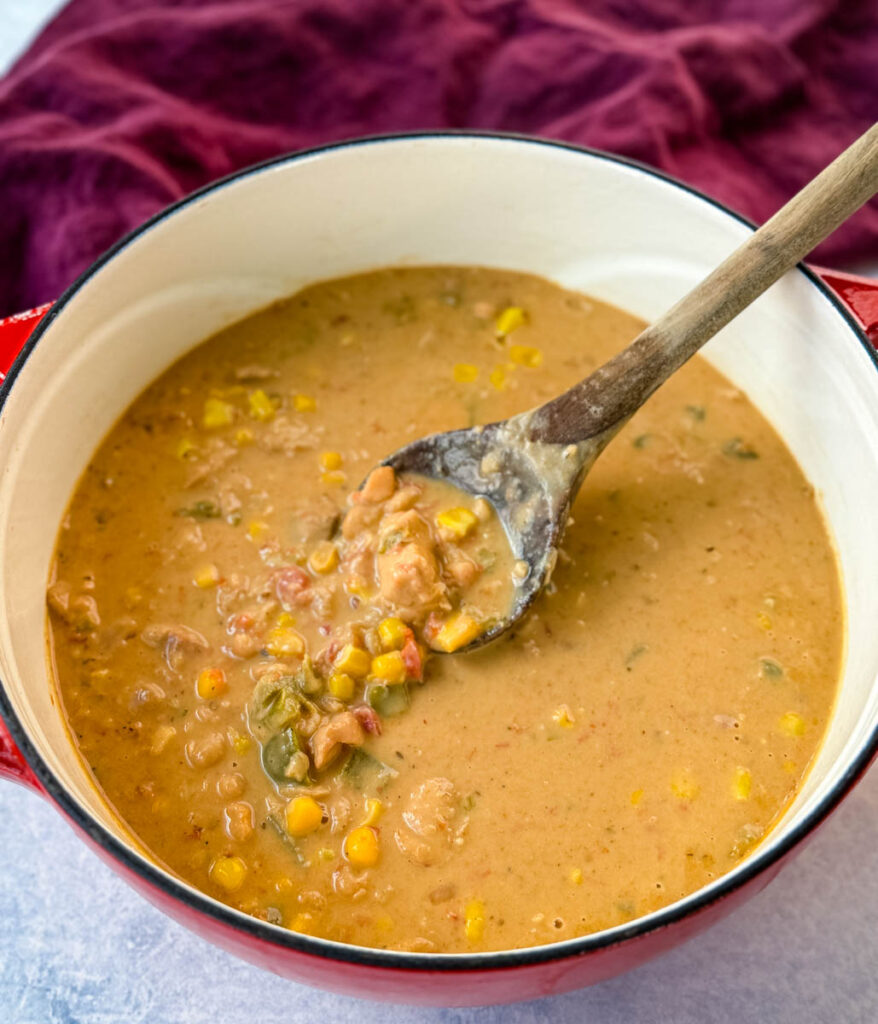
(122, 106)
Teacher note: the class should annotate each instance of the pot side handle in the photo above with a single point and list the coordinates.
(859, 294)
(14, 332)
(13, 765)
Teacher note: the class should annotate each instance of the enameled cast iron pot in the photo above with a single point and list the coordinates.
(617, 230)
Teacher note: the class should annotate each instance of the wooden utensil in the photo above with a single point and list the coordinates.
(531, 466)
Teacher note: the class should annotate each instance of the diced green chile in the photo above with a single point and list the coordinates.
(276, 703)
(276, 826)
(277, 754)
(387, 700)
(367, 773)
(307, 679)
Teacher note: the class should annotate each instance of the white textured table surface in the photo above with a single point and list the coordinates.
(77, 946)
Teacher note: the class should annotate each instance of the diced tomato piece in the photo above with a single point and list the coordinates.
(412, 658)
(293, 586)
(368, 718)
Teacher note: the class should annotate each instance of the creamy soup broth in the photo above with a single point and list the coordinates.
(634, 737)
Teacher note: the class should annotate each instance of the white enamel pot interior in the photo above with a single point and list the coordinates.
(618, 231)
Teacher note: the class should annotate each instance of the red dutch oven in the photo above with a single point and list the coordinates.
(615, 229)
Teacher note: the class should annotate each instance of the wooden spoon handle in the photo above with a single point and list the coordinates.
(603, 402)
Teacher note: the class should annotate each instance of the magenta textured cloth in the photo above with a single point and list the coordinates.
(122, 106)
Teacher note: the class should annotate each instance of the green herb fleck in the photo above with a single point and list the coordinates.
(642, 440)
(697, 412)
(390, 541)
(487, 558)
(770, 668)
(200, 510)
(636, 652)
(736, 449)
(402, 309)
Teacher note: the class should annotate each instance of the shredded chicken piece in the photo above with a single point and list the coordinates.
(343, 729)
(408, 569)
(179, 636)
(379, 486)
(431, 808)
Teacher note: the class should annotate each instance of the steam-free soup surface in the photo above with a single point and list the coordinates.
(263, 709)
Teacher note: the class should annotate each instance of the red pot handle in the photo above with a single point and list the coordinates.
(12, 764)
(859, 294)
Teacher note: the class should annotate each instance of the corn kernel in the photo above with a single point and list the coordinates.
(474, 921)
(261, 406)
(330, 460)
(285, 619)
(465, 373)
(228, 873)
(374, 810)
(324, 558)
(742, 784)
(510, 320)
(206, 576)
(764, 621)
(325, 854)
(186, 449)
(303, 923)
(282, 642)
(361, 847)
(304, 403)
(356, 584)
(388, 667)
(392, 633)
(354, 661)
(562, 716)
(636, 797)
(211, 683)
(526, 355)
(217, 413)
(684, 788)
(243, 437)
(498, 377)
(341, 686)
(792, 724)
(303, 816)
(241, 743)
(575, 876)
(257, 529)
(457, 631)
(333, 478)
(457, 521)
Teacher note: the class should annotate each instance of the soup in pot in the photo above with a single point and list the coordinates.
(256, 657)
